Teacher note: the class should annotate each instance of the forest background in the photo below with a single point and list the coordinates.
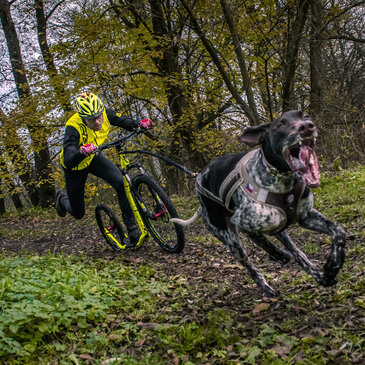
(201, 70)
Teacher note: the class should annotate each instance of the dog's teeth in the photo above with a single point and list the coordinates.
(300, 143)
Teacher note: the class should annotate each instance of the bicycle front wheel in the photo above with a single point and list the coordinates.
(110, 227)
(156, 209)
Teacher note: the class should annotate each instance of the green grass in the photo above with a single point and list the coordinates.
(70, 310)
(342, 195)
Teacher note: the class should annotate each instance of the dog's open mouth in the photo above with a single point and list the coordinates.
(302, 159)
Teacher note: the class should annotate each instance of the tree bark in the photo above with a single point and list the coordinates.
(167, 63)
(316, 68)
(291, 57)
(62, 95)
(2, 205)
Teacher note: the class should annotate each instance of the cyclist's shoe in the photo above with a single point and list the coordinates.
(61, 211)
(133, 236)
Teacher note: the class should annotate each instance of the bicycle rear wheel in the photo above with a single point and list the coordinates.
(156, 209)
(110, 227)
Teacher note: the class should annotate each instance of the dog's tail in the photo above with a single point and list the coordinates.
(193, 219)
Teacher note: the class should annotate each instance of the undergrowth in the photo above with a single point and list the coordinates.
(83, 310)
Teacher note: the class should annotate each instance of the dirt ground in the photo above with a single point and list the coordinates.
(203, 258)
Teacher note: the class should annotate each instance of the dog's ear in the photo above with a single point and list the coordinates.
(254, 135)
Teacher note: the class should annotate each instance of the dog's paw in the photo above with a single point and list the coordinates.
(332, 267)
(268, 291)
(330, 281)
(327, 280)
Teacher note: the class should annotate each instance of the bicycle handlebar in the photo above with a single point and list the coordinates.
(121, 141)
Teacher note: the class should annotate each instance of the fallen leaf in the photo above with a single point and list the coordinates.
(85, 357)
(261, 307)
(140, 342)
(282, 349)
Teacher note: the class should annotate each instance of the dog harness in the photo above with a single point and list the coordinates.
(238, 178)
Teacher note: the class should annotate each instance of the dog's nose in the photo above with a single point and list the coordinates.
(306, 128)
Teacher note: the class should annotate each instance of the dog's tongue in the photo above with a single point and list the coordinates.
(310, 172)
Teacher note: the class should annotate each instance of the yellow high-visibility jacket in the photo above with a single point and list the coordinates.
(77, 134)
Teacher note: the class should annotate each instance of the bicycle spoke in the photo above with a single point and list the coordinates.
(110, 227)
(156, 209)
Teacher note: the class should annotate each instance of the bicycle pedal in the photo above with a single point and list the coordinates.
(128, 244)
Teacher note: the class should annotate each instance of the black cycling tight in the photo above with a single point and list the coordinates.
(105, 169)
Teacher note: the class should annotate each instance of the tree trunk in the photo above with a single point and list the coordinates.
(2, 204)
(62, 95)
(291, 57)
(168, 65)
(39, 141)
(241, 62)
(316, 68)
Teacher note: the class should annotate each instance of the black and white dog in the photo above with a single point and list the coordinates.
(263, 192)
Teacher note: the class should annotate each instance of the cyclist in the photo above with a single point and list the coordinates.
(85, 130)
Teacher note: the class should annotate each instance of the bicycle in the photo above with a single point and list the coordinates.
(151, 205)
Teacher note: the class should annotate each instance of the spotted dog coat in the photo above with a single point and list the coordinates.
(286, 155)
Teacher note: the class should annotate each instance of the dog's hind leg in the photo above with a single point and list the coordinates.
(275, 252)
(228, 234)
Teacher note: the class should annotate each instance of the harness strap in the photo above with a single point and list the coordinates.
(234, 179)
(239, 178)
(202, 190)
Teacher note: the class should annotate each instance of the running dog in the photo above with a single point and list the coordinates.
(266, 190)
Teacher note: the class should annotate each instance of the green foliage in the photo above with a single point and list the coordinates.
(49, 300)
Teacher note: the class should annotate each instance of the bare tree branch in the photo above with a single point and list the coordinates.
(214, 54)
(348, 38)
(54, 8)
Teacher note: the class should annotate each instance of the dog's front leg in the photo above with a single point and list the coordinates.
(317, 222)
(301, 258)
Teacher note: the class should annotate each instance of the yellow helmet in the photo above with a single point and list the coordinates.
(89, 105)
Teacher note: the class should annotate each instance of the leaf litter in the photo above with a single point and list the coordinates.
(303, 323)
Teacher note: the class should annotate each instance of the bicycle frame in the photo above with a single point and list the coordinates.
(125, 165)
(133, 195)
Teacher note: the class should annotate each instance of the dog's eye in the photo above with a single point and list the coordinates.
(282, 123)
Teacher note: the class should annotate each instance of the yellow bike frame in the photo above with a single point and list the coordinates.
(124, 162)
